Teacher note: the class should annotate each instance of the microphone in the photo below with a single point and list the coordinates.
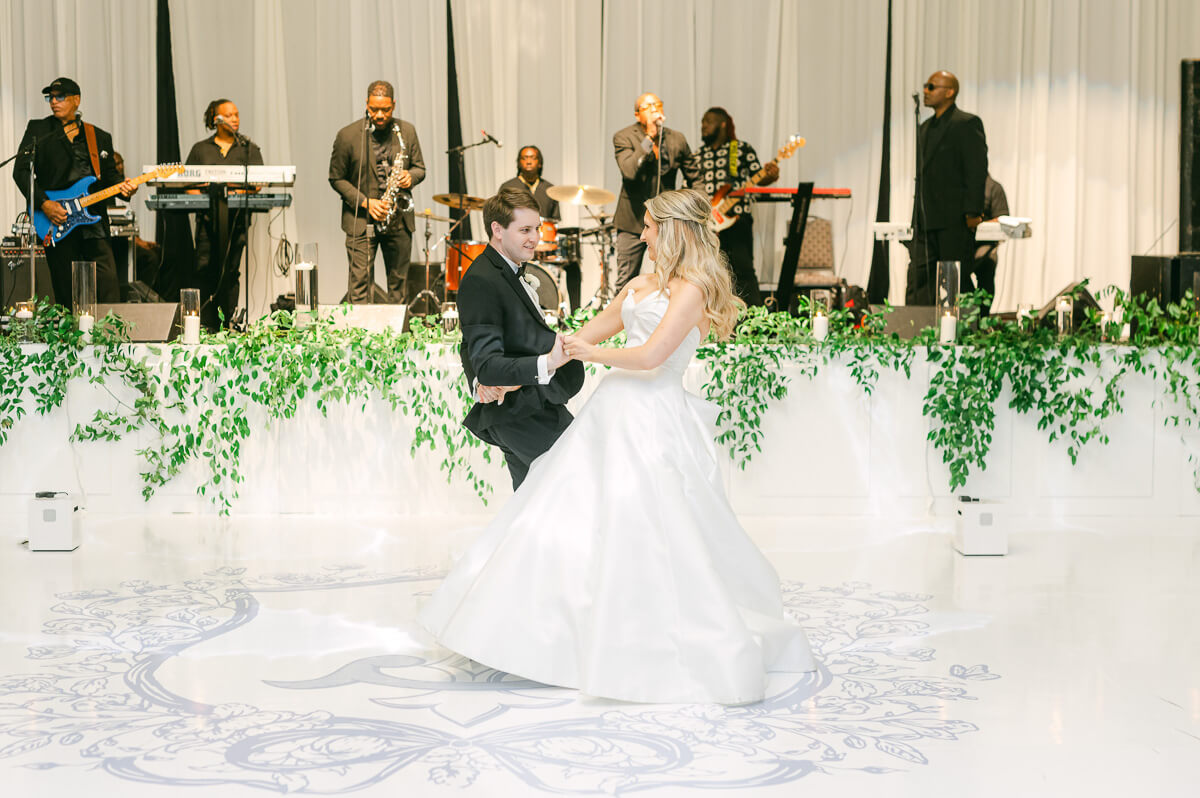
(916, 97)
(489, 137)
(238, 137)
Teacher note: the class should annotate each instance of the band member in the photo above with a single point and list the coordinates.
(364, 154)
(529, 178)
(948, 206)
(995, 204)
(218, 273)
(68, 150)
(723, 160)
(644, 173)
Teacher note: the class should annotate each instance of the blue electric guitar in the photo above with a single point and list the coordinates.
(76, 200)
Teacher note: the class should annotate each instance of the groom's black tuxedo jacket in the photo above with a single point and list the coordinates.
(503, 335)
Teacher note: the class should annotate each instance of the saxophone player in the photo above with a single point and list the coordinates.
(367, 154)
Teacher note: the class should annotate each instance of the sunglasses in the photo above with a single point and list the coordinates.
(934, 87)
(50, 98)
(644, 106)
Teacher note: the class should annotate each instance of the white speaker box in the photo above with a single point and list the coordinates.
(980, 528)
(54, 523)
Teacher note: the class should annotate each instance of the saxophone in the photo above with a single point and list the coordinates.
(391, 192)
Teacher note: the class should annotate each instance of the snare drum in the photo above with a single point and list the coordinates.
(459, 257)
(548, 233)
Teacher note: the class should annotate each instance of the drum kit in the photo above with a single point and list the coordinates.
(558, 247)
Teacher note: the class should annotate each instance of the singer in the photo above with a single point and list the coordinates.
(365, 153)
(948, 206)
(218, 273)
(650, 156)
(69, 150)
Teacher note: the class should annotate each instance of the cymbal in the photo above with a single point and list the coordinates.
(581, 195)
(464, 201)
(429, 214)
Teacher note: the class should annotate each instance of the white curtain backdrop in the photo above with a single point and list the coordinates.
(1080, 100)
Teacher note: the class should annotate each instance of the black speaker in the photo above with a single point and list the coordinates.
(378, 296)
(907, 321)
(1164, 278)
(1189, 156)
(14, 277)
(1153, 276)
(147, 321)
(1083, 301)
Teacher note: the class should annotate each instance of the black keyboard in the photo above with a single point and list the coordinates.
(200, 202)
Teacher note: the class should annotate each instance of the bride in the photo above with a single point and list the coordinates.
(619, 568)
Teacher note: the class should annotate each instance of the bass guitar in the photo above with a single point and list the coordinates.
(76, 199)
(722, 203)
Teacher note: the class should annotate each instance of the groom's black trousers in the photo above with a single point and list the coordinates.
(524, 439)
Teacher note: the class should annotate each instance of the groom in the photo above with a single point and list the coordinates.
(519, 374)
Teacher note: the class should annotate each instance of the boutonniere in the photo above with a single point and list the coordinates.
(532, 281)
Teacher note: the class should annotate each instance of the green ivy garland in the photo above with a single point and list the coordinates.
(197, 401)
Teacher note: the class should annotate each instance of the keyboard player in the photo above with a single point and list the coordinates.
(218, 274)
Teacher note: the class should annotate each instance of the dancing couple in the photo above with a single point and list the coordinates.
(618, 567)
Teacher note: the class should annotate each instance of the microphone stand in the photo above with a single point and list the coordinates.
(922, 241)
(31, 151)
(458, 151)
(658, 176)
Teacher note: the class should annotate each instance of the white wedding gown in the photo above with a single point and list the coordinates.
(618, 567)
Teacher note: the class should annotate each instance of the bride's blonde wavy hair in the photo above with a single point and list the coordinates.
(688, 250)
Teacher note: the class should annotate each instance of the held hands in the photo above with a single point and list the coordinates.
(493, 393)
(578, 349)
(558, 354)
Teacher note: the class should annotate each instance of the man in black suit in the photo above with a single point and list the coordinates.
(364, 154)
(529, 177)
(645, 172)
(69, 150)
(515, 364)
(951, 170)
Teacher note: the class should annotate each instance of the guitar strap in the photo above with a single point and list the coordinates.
(89, 133)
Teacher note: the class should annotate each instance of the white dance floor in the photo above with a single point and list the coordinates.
(193, 656)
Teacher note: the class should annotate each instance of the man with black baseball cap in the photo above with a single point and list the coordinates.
(68, 150)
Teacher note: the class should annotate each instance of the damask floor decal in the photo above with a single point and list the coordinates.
(100, 696)
(184, 656)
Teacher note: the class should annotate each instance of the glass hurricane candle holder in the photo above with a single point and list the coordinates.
(947, 300)
(83, 294)
(449, 314)
(1064, 315)
(821, 305)
(189, 312)
(306, 283)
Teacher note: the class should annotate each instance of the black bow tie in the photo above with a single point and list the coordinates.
(520, 270)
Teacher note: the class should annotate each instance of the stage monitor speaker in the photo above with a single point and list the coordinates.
(372, 318)
(907, 321)
(1083, 301)
(147, 321)
(14, 278)
(1189, 156)
(1164, 278)
(1154, 276)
